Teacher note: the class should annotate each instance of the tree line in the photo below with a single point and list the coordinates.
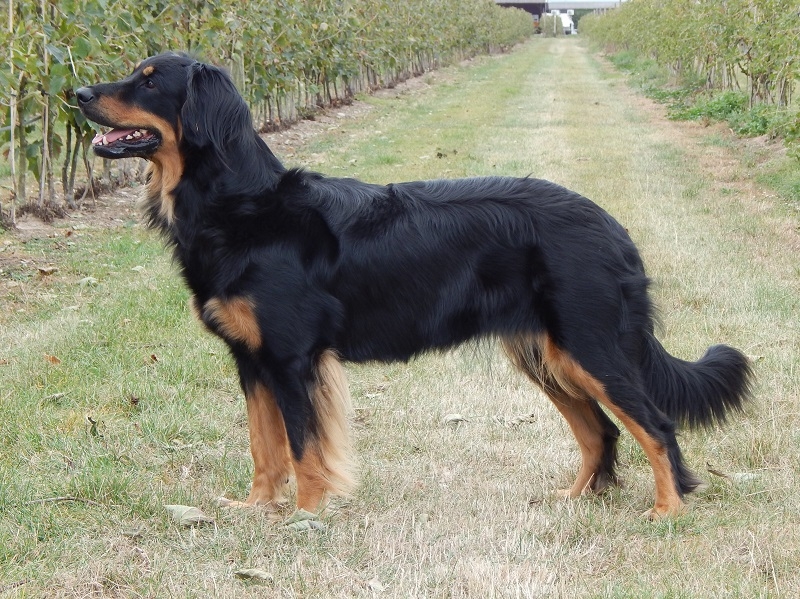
(287, 57)
(747, 52)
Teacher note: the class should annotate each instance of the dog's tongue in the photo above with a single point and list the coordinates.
(112, 135)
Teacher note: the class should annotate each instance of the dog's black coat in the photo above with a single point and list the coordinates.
(386, 272)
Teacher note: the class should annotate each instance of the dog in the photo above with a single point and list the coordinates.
(298, 272)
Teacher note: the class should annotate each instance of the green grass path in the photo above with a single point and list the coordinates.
(441, 511)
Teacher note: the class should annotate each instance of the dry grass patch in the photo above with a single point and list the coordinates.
(446, 507)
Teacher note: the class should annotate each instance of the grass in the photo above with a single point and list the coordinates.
(689, 99)
(441, 511)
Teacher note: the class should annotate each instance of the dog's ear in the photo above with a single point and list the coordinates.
(214, 112)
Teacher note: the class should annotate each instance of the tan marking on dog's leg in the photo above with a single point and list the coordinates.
(236, 319)
(312, 486)
(588, 434)
(326, 467)
(269, 446)
(667, 501)
(531, 355)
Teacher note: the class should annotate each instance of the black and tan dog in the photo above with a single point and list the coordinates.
(296, 271)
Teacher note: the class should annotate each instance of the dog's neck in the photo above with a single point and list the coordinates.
(161, 203)
(159, 200)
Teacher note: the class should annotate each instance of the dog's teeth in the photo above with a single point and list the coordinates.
(105, 140)
(128, 137)
(136, 134)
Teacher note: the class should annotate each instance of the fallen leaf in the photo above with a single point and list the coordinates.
(138, 268)
(734, 477)
(303, 520)
(526, 419)
(362, 415)
(375, 586)
(52, 359)
(47, 270)
(87, 282)
(187, 515)
(253, 574)
(453, 419)
(714, 471)
(93, 426)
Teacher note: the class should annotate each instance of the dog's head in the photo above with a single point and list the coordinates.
(176, 112)
(169, 100)
(142, 111)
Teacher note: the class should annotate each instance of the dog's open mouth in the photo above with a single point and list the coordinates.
(125, 143)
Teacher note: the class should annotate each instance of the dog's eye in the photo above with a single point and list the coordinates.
(149, 84)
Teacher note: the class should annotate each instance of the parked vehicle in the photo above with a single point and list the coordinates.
(566, 21)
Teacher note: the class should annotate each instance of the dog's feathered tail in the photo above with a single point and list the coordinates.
(698, 393)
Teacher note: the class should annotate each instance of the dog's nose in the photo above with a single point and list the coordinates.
(84, 95)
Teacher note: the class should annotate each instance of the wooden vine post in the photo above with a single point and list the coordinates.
(12, 157)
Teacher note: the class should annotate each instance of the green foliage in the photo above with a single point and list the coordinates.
(286, 56)
(791, 133)
(551, 26)
(719, 107)
(743, 56)
(721, 42)
(762, 119)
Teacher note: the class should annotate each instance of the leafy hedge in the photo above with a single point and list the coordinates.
(286, 56)
(737, 60)
(712, 42)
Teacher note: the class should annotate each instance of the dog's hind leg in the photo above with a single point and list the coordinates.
(617, 390)
(597, 438)
(595, 433)
(655, 432)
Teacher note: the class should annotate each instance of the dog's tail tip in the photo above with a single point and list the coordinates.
(703, 393)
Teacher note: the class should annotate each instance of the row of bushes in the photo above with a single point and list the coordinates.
(737, 60)
(736, 44)
(287, 57)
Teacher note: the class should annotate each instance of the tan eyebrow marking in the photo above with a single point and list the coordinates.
(148, 71)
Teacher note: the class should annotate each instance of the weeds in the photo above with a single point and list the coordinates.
(689, 99)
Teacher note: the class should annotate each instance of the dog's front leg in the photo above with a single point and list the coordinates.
(269, 447)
